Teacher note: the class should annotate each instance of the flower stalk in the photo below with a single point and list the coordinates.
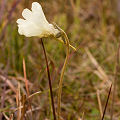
(49, 78)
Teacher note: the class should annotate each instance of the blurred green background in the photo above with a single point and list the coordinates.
(93, 27)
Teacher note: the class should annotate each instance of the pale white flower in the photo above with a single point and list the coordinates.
(35, 23)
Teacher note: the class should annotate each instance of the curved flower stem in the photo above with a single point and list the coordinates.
(62, 73)
(49, 78)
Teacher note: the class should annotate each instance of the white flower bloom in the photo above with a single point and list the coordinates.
(35, 23)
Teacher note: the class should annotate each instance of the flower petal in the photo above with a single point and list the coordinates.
(26, 13)
(28, 29)
(38, 13)
(20, 21)
(36, 7)
(53, 30)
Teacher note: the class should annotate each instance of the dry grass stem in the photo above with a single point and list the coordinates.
(99, 103)
(9, 83)
(100, 72)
